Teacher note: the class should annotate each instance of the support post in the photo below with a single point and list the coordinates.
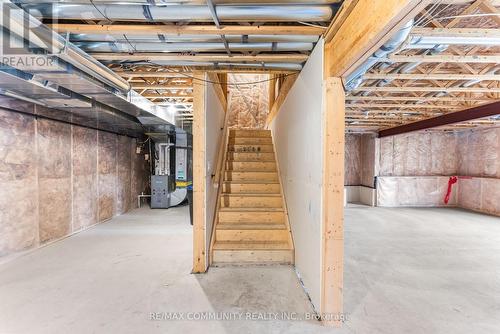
(333, 202)
(199, 176)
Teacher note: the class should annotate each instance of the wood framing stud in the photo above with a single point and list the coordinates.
(179, 30)
(333, 202)
(199, 178)
(282, 94)
(368, 25)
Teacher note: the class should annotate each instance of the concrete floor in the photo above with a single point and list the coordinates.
(406, 271)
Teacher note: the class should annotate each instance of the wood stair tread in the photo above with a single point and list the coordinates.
(251, 226)
(252, 245)
(252, 182)
(243, 209)
(251, 194)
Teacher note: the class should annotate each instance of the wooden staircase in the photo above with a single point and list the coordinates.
(251, 222)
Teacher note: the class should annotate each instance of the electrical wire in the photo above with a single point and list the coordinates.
(103, 15)
(228, 83)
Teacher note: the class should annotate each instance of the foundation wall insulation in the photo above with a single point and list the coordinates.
(415, 169)
(57, 179)
(352, 162)
(248, 102)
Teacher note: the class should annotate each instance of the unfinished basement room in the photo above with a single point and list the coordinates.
(250, 166)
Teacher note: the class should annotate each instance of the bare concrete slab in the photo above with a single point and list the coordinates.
(406, 271)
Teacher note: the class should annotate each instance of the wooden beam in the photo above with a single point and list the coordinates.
(199, 178)
(430, 76)
(166, 96)
(158, 56)
(475, 59)
(219, 91)
(272, 91)
(282, 94)
(418, 98)
(482, 111)
(456, 32)
(401, 106)
(429, 89)
(169, 87)
(339, 19)
(333, 202)
(368, 25)
(179, 30)
(153, 74)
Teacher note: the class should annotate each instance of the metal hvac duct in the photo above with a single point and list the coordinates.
(191, 47)
(435, 45)
(46, 39)
(356, 78)
(124, 38)
(175, 13)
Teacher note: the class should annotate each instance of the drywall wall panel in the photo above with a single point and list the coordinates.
(84, 162)
(54, 179)
(298, 136)
(352, 161)
(419, 191)
(248, 96)
(18, 183)
(214, 122)
(106, 157)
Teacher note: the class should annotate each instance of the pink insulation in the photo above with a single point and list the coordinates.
(57, 179)
(480, 194)
(369, 163)
(248, 103)
(352, 161)
(479, 152)
(360, 160)
(414, 169)
(419, 154)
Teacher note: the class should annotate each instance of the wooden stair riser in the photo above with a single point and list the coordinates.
(242, 156)
(239, 188)
(249, 133)
(251, 148)
(251, 235)
(244, 201)
(251, 217)
(251, 176)
(253, 256)
(250, 141)
(257, 166)
(251, 226)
